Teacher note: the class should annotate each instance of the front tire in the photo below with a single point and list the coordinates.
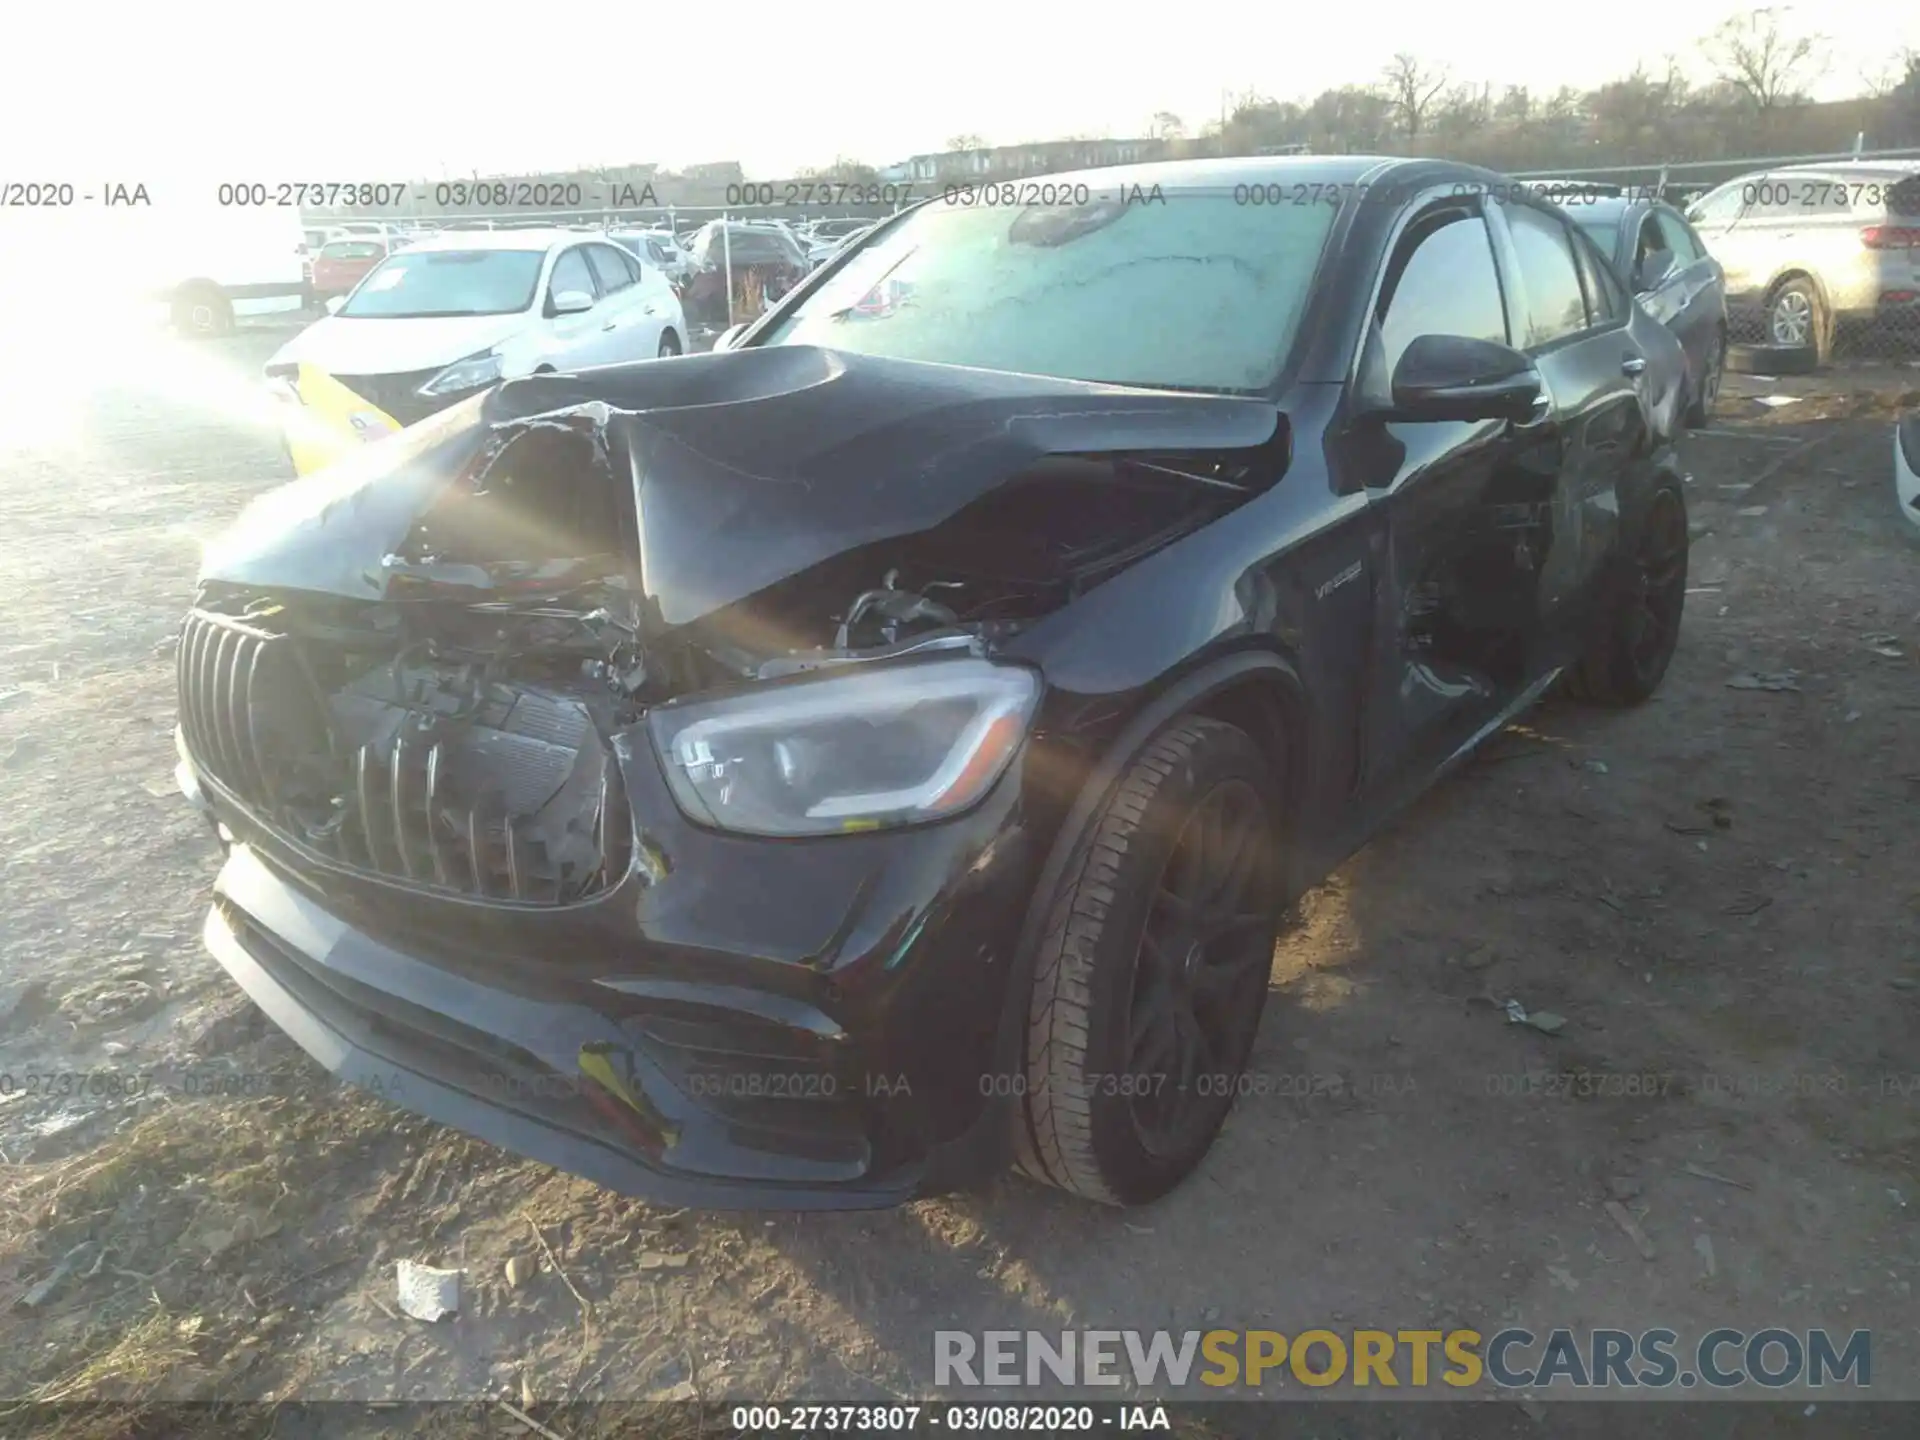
(1153, 969)
(1640, 623)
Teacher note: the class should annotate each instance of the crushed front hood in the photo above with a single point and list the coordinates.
(745, 468)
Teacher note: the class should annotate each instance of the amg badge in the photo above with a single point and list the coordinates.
(1352, 572)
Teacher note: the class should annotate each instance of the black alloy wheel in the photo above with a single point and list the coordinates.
(1151, 972)
(1640, 624)
(1204, 958)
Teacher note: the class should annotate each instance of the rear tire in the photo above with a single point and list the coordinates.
(1772, 359)
(202, 311)
(1145, 1005)
(669, 345)
(1797, 318)
(1640, 622)
(1700, 412)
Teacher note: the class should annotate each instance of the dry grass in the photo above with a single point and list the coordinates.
(176, 1288)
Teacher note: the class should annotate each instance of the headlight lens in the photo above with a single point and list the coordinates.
(900, 745)
(468, 374)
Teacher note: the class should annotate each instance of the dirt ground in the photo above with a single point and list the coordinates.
(1716, 891)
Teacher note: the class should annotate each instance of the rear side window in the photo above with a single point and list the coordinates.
(1556, 305)
(1447, 286)
(1606, 302)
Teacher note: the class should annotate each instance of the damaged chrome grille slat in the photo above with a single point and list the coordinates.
(414, 771)
(476, 855)
(514, 887)
(396, 798)
(436, 844)
(249, 695)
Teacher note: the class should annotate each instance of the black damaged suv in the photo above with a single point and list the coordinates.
(820, 772)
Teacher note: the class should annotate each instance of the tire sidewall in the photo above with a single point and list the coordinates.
(1819, 339)
(1627, 678)
(1134, 1174)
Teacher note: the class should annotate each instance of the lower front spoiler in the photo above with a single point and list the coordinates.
(357, 1054)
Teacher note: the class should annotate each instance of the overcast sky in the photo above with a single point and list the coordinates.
(282, 92)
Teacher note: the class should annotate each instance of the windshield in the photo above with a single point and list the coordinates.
(1193, 291)
(419, 284)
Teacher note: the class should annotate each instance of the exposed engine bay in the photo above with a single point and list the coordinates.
(445, 714)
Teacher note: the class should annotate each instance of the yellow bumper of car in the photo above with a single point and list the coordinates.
(325, 421)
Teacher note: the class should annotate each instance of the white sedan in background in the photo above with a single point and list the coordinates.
(458, 311)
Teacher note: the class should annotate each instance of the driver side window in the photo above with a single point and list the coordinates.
(1446, 286)
(569, 273)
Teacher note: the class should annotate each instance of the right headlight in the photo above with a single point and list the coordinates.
(854, 751)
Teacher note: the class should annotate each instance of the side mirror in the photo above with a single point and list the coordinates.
(728, 338)
(1449, 377)
(1654, 268)
(572, 302)
(334, 302)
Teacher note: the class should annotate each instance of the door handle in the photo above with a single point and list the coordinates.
(1633, 365)
(1538, 416)
(609, 325)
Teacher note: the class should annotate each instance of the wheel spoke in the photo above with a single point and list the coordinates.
(1195, 1049)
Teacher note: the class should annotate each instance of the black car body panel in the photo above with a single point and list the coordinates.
(469, 878)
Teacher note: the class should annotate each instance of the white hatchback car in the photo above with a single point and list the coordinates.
(457, 311)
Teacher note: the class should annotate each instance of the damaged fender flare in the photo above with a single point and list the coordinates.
(997, 1125)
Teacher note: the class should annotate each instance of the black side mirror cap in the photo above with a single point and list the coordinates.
(1453, 377)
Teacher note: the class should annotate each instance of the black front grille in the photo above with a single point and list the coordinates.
(399, 395)
(254, 720)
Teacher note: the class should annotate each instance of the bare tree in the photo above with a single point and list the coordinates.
(1411, 89)
(1515, 106)
(968, 141)
(1892, 74)
(1463, 110)
(1756, 55)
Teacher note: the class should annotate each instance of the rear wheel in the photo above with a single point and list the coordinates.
(1797, 317)
(1700, 412)
(1640, 626)
(669, 345)
(1153, 972)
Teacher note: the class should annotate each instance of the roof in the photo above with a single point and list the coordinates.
(543, 239)
(1878, 169)
(1224, 174)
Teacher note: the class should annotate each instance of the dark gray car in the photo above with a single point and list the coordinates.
(1670, 272)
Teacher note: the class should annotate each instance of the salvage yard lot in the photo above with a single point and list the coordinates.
(1716, 892)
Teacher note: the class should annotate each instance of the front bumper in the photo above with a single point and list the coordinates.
(740, 1024)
